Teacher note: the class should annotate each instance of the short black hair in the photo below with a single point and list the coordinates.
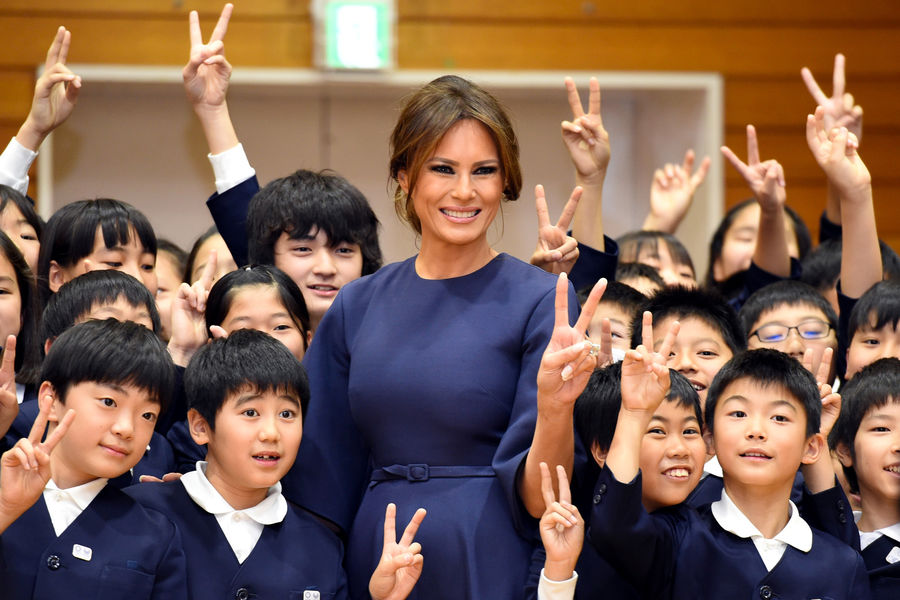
(705, 305)
(28, 346)
(25, 206)
(223, 291)
(620, 294)
(112, 352)
(876, 308)
(307, 202)
(630, 270)
(245, 359)
(822, 266)
(72, 230)
(77, 297)
(767, 367)
(175, 251)
(784, 293)
(597, 408)
(801, 235)
(875, 385)
(631, 244)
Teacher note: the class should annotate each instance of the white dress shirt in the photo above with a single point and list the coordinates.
(64, 506)
(15, 161)
(242, 528)
(549, 589)
(867, 537)
(230, 168)
(796, 533)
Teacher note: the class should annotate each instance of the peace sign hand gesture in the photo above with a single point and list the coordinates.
(401, 562)
(840, 109)
(207, 73)
(556, 251)
(585, 137)
(765, 179)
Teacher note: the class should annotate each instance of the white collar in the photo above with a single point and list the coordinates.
(271, 510)
(81, 495)
(867, 537)
(712, 467)
(796, 532)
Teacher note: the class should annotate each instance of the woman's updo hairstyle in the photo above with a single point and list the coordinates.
(428, 114)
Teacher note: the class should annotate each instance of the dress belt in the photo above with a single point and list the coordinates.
(423, 472)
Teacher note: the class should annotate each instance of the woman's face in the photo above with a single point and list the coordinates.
(459, 188)
(740, 242)
(20, 231)
(10, 301)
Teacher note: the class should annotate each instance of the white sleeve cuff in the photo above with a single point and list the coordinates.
(14, 164)
(230, 168)
(557, 590)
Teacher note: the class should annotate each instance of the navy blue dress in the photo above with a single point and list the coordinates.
(424, 394)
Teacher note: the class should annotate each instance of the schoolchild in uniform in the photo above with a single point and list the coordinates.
(247, 397)
(74, 534)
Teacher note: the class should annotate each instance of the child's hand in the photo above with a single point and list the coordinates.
(765, 179)
(556, 251)
(25, 468)
(831, 401)
(562, 528)
(672, 192)
(602, 343)
(585, 137)
(401, 562)
(840, 111)
(836, 152)
(189, 315)
(207, 73)
(645, 376)
(9, 403)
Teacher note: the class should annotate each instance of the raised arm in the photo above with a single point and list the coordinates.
(588, 146)
(556, 252)
(836, 152)
(672, 193)
(766, 182)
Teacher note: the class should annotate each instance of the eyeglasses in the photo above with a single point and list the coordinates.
(813, 329)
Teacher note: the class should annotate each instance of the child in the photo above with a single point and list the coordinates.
(93, 235)
(866, 439)
(762, 414)
(873, 329)
(200, 253)
(78, 536)
(23, 226)
(170, 264)
(620, 304)
(663, 252)
(247, 398)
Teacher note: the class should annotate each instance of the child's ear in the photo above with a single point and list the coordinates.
(47, 394)
(47, 344)
(309, 335)
(56, 276)
(599, 454)
(815, 446)
(843, 454)
(198, 427)
(710, 444)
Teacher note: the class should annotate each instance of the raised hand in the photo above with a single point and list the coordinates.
(9, 402)
(645, 376)
(561, 526)
(840, 110)
(585, 137)
(672, 192)
(836, 152)
(556, 251)
(765, 179)
(55, 94)
(207, 73)
(189, 315)
(25, 468)
(401, 562)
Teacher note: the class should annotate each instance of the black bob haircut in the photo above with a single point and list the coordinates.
(801, 235)
(306, 202)
(784, 293)
(597, 408)
(72, 230)
(25, 206)
(704, 305)
(876, 308)
(246, 359)
(620, 294)
(632, 243)
(223, 291)
(822, 266)
(629, 270)
(76, 298)
(766, 367)
(875, 385)
(28, 346)
(111, 352)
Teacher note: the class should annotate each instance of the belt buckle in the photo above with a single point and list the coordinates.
(417, 472)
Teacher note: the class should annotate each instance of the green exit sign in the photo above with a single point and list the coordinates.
(354, 34)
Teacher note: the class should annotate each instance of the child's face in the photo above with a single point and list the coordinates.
(22, 234)
(869, 344)
(740, 243)
(672, 272)
(620, 324)
(318, 268)
(877, 456)
(698, 353)
(259, 307)
(130, 258)
(121, 310)
(672, 456)
(10, 301)
(254, 444)
(809, 329)
(168, 280)
(759, 435)
(224, 261)
(113, 425)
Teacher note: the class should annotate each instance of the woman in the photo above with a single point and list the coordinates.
(425, 375)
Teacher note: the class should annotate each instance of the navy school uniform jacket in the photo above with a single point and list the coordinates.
(115, 549)
(682, 553)
(884, 576)
(291, 558)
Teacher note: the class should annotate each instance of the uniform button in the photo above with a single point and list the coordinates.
(597, 499)
(53, 562)
(241, 594)
(840, 505)
(601, 489)
(236, 517)
(765, 592)
(842, 518)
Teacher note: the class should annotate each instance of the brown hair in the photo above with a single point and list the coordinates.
(427, 115)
